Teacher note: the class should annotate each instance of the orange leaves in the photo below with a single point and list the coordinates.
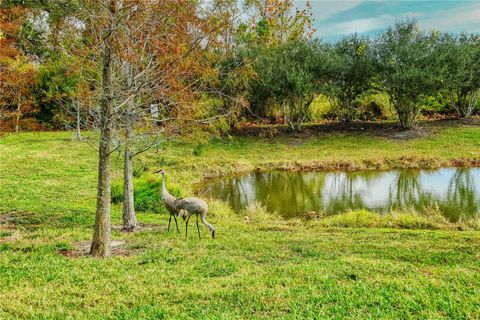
(10, 22)
(16, 79)
(17, 74)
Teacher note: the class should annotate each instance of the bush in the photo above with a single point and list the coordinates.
(369, 107)
(371, 111)
(139, 169)
(437, 104)
(198, 150)
(146, 193)
(321, 109)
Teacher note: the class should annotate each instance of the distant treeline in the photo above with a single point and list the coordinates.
(260, 62)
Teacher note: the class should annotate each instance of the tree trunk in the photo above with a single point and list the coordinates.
(17, 118)
(464, 103)
(350, 111)
(101, 235)
(284, 111)
(407, 117)
(129, 217)
(78, 134)
(467, 104)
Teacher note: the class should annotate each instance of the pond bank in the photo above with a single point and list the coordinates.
(409, 162)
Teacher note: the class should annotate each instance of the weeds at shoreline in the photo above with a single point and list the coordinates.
(428, 220)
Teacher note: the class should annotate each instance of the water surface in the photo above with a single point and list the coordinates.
(455, 191)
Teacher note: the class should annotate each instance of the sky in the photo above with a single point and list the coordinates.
(335, 19)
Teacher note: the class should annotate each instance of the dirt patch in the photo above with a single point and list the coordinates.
(275, 229)
(141, 227)
(9, 235)
(82, 249)
(13, 218)
(418, 132)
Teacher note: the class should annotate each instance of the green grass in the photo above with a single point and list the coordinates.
(351, 266)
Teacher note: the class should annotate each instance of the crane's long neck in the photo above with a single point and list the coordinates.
(209, 226)
(164, 188)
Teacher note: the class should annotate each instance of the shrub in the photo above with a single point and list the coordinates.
(321, 109)
(146, 194)
(437, 104)
(198, 150)
(371, 111)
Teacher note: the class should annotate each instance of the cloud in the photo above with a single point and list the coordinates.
(325, 9)
(364, 25)
(356, 26)
(465, 18)
(366, 17)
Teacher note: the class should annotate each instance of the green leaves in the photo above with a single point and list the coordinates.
(407, 68)
(352, 73)
(460, 56)
(289, 76)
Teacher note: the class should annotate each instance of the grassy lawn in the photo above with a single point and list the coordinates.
(260, 268)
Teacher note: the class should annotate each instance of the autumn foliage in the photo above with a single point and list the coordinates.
(17, 73)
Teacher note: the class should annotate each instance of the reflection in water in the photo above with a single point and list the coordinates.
(456, 192)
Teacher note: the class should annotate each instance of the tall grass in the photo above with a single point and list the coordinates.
(429, 219)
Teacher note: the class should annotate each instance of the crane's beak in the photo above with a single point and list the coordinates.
(158, 171)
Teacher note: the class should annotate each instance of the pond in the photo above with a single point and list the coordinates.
(456, 191)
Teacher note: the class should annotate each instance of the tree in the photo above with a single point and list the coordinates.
(17, 88)
(274, 22)
(461, 76)
(408, 68)
(17, 72)
(352, 74)
(265, 25)
(158, 73)
(49, 28)
(108, 24)
(290, 76)
(41, 33)
(155, 62)
(56, 90)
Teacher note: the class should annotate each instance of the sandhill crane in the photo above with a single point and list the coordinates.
(168, 201)
(194, 206)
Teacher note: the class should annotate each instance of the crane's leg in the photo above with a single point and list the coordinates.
(169, 220)
(198, 229)
(176, 224)
(186, 227)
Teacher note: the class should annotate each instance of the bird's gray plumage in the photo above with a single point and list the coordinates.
(194, 206)
(190, 205)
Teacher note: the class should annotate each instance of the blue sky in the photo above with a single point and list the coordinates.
(335, 19)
